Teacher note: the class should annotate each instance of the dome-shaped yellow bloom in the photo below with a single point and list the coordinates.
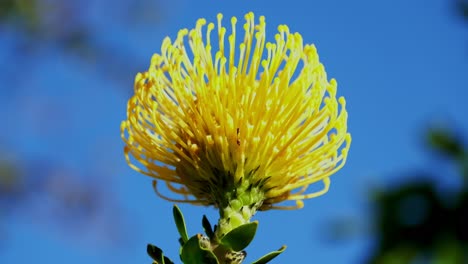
(212, 119)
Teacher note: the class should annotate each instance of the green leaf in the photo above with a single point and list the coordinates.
(192, 253)
(207, 227)
(167, 260)
(155, 253)
(268, 257)
(240, 237)
(180, 223)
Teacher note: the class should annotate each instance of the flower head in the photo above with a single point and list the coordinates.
(256, 117)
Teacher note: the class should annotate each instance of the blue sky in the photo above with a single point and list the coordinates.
(400, 65)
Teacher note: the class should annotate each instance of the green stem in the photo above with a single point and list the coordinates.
(237, 207)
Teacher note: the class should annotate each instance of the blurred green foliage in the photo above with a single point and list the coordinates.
(462, 8)
(22, 11)
(416, 222)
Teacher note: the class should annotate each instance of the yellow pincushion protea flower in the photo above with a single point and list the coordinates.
(247, 125)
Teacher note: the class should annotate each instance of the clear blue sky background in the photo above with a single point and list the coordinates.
(400, 64)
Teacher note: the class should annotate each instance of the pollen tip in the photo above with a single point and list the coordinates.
(342, 101)
(299, 204)
(201, 22)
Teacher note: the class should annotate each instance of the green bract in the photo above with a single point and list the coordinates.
(209, 249)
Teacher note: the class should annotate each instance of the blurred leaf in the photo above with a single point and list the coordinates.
(445, 141)
(410, 215)
(462, 8)
(23, 12)
(7, 7)
(449, 252)
(416, 223)
(460, 218)
(400, 255)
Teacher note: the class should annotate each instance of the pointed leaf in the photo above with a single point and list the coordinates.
(268, 257)
(167, 260)
(240, 237)
(207, 227)
(180, 223)
(155, 253)
(192, 253)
